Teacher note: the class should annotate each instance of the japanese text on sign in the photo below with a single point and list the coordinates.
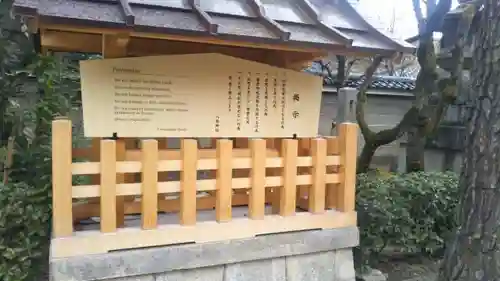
(223, 97)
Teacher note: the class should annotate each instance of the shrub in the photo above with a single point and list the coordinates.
(24, 231)
(412, 213)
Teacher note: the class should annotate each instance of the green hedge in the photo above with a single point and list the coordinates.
(412, 213)
(24, 232)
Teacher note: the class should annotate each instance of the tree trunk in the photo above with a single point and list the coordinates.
(366, 156)
(415, 150)
(473, 254)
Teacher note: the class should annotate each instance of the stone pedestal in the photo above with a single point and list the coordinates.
(318, 255)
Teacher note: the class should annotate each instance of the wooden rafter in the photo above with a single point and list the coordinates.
(270, 23)
(337, 34)
(211, 26)
(127, 11)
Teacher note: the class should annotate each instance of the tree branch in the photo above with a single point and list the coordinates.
(361, 98)
(448, 87)
(419, 16)
(389, 135)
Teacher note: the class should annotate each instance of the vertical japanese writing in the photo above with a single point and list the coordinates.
(257, 103)
(238, 103)
(217, 123)
(283, 101)
(275, 93)
(296, 100)
(249, 97)
(266, 96)
(230, 93)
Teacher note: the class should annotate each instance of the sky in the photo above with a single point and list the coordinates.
(381, 13)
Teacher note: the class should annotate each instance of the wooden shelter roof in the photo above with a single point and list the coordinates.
(299, 25)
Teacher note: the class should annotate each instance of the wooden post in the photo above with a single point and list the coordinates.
(288, 192)
(115, 46)
(317, 191)
(162, 176)
(95, 151)
(62, 199)
(275, 191)
(149, 200)
(189, 151)
(304, 150)
(332, 148)
(224, 180)
(121, 149)
(256, 204)
(348, 144)
(212, 174)
(108, 186)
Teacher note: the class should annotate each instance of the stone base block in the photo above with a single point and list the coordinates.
(321, 255)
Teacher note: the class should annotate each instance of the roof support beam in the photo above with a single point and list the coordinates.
(270, 23)
(211, 26)
(115, 45)
(127, 11)
(311, 12)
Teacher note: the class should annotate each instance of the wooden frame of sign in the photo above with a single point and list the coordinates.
(116, 46)
(130, 175)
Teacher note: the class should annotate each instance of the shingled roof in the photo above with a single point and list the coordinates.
(390, 83)
(324, 24)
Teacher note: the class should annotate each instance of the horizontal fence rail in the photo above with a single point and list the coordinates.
(316, 174)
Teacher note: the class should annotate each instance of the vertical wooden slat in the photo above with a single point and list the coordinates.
(258, 176)
(332, 148)
(224, 180)
(241, 173)
(95, 153)
(317, 191)
(304, 150)
(93, 156)
(289, 189)
(108, 186)
(189, 150)
(276, 191)
(212, 174)
(130, 143)
(269, 172)
(162, 144)
(62, 213)
(149, 200)
(348, 145)
(121, 147)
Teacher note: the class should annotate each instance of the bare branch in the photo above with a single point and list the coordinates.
(361, 98)
(448, 87)
(431, 6)
(350, 65)
(419, 16)
(341, 71)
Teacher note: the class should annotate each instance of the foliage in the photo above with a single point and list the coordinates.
(412, 213)
(26, 198)
(33, 90)
(24, 231)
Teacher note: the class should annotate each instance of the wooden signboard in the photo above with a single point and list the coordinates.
(200, 95)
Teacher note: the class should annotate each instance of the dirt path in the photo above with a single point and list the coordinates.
(409, 268)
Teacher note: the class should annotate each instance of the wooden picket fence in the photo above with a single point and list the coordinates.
(316, 175)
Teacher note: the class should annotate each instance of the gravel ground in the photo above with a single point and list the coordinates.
(409, 268)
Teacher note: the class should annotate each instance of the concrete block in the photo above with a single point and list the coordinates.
(263, 270)
(134, 278)
(311, 267)
(344, 265)
(215, 273)
(377, 275)
(171, 258)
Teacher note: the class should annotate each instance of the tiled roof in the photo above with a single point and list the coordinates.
(378, 83)
(318, 23)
